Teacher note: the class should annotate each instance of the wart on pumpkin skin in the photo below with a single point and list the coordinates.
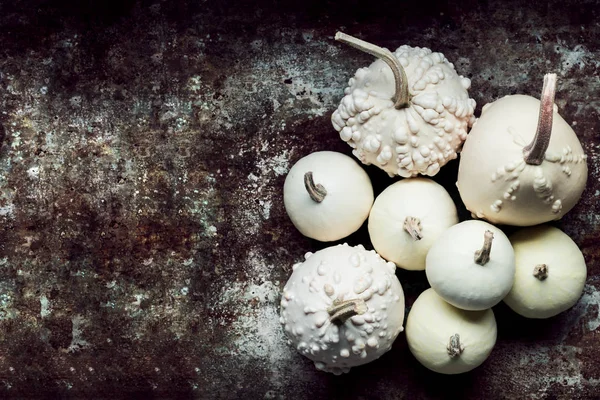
(553, 186)
(344, 294)
(382, 127)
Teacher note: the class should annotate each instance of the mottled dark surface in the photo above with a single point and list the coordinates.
(143, 239)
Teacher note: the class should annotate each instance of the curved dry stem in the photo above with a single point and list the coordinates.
(316, 191)
(535, 151)
(341, 311)
(540, 271)
(412, 225)
(483, 256)
(454, 347)
(401, 96)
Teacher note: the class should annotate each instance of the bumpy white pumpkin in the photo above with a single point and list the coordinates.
(407, 113)
(550, 274)
(446, 339)
(515, 170)
(407, 218)
(471, 265)
(342, 307)
(327, 195)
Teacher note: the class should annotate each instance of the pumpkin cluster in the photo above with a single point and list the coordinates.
(521, 164)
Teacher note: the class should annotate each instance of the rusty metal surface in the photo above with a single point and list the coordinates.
(143, 239)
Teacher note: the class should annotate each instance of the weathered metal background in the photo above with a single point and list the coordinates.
(143, 239)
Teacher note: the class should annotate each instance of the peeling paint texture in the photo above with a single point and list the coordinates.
(143, 149)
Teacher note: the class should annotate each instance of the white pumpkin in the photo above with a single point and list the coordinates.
(407, 218)
(342, 307)
(550, 274)
(515, 170)
(327, 195)
(407, 113)
(471, 265)
(446, 339)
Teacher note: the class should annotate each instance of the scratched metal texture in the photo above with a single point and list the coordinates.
(144, 145)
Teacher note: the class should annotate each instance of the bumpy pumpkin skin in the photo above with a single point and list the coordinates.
(495, 182)
(335, 273)
(418, 139)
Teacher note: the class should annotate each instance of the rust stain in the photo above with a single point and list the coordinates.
(143, 150)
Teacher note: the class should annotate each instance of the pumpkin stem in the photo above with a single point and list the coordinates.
(402, 96)
(483, 256)
(316, 192)
(536, 150)
(340, 311)
(412, 225)
(454, 347)
(540, 271)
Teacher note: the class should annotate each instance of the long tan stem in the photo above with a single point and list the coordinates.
(401, 96)
(340, 311)
(454, 347)
(535, 151)
(412, 225)
(316, 191)
(483, 256)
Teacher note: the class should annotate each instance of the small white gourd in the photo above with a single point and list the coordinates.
(407, 218)
(550, 274)
(446, 339)
(522, 164)
(342, 307)
(471, 265)
(407, 113)
(327, 195)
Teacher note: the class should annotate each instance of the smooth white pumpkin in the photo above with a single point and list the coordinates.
(407, 113)
(509, 173)
(407, 218)
(327, 195)
(550, 272)
(471, 265)
(342, 307)
(446, 339)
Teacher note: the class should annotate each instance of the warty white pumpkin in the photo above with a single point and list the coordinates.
(407, 218)
(327, 195)
(407, 113)
(522, 164)
(446, 339)
(471, 265)
(342, 307)
(550, 272)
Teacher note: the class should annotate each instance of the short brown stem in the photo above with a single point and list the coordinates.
(540, 271)
(412, 225)
(454, 347)
(341, 311)
(401, 96)
(535, 151)
(316, 192)
(483, 256)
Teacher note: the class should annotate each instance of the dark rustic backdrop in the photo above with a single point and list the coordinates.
(144, 146)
